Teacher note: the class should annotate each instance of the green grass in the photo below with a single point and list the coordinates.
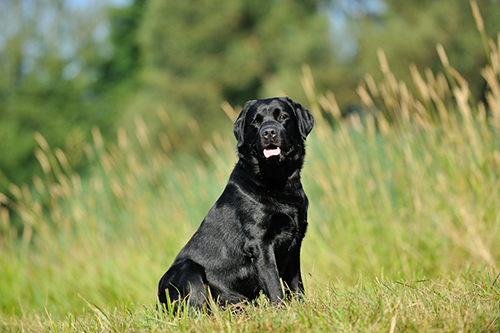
(469, 303)
(404, 220)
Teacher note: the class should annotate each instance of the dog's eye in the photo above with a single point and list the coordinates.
(257, 120)
(283, 117)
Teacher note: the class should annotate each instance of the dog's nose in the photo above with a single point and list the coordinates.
(269, 132)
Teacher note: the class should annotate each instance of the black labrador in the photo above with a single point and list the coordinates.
(251, 237)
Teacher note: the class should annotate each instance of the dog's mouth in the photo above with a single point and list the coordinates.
(271, 151)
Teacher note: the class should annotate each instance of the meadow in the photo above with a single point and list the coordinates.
(404, 220)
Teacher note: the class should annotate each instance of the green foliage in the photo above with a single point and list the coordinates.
(36, 108)
(48, 61)
(123, 66)
(408, 32)
(61, 78)
(199, 53)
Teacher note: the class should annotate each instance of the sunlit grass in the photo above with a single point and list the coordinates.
(468, 303)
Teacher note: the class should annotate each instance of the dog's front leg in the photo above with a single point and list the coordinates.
(267, 270)
(292, 278)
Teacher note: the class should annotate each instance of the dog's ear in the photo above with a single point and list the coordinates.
(239, 124)
(305, 119)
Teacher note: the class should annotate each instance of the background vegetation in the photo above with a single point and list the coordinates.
(69, 65)
(404, 216)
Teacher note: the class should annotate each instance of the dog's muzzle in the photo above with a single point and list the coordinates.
(269, 133)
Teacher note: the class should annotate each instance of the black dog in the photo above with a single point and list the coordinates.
(251, 237)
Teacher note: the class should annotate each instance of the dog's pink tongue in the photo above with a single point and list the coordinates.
(272, 152)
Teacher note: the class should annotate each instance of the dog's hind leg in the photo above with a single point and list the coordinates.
(185, 279)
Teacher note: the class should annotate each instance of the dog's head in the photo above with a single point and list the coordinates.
(272, 130)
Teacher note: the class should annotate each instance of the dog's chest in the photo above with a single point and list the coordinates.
(280, 224)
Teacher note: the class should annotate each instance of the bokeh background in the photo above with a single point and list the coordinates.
(68, 65)
(116, 136)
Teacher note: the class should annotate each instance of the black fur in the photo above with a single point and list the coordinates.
(251, 237)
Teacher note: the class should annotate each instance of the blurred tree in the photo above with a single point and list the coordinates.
(197, 54)
(408, 32)
(51, 57)
(122, 67)
(67, 65)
